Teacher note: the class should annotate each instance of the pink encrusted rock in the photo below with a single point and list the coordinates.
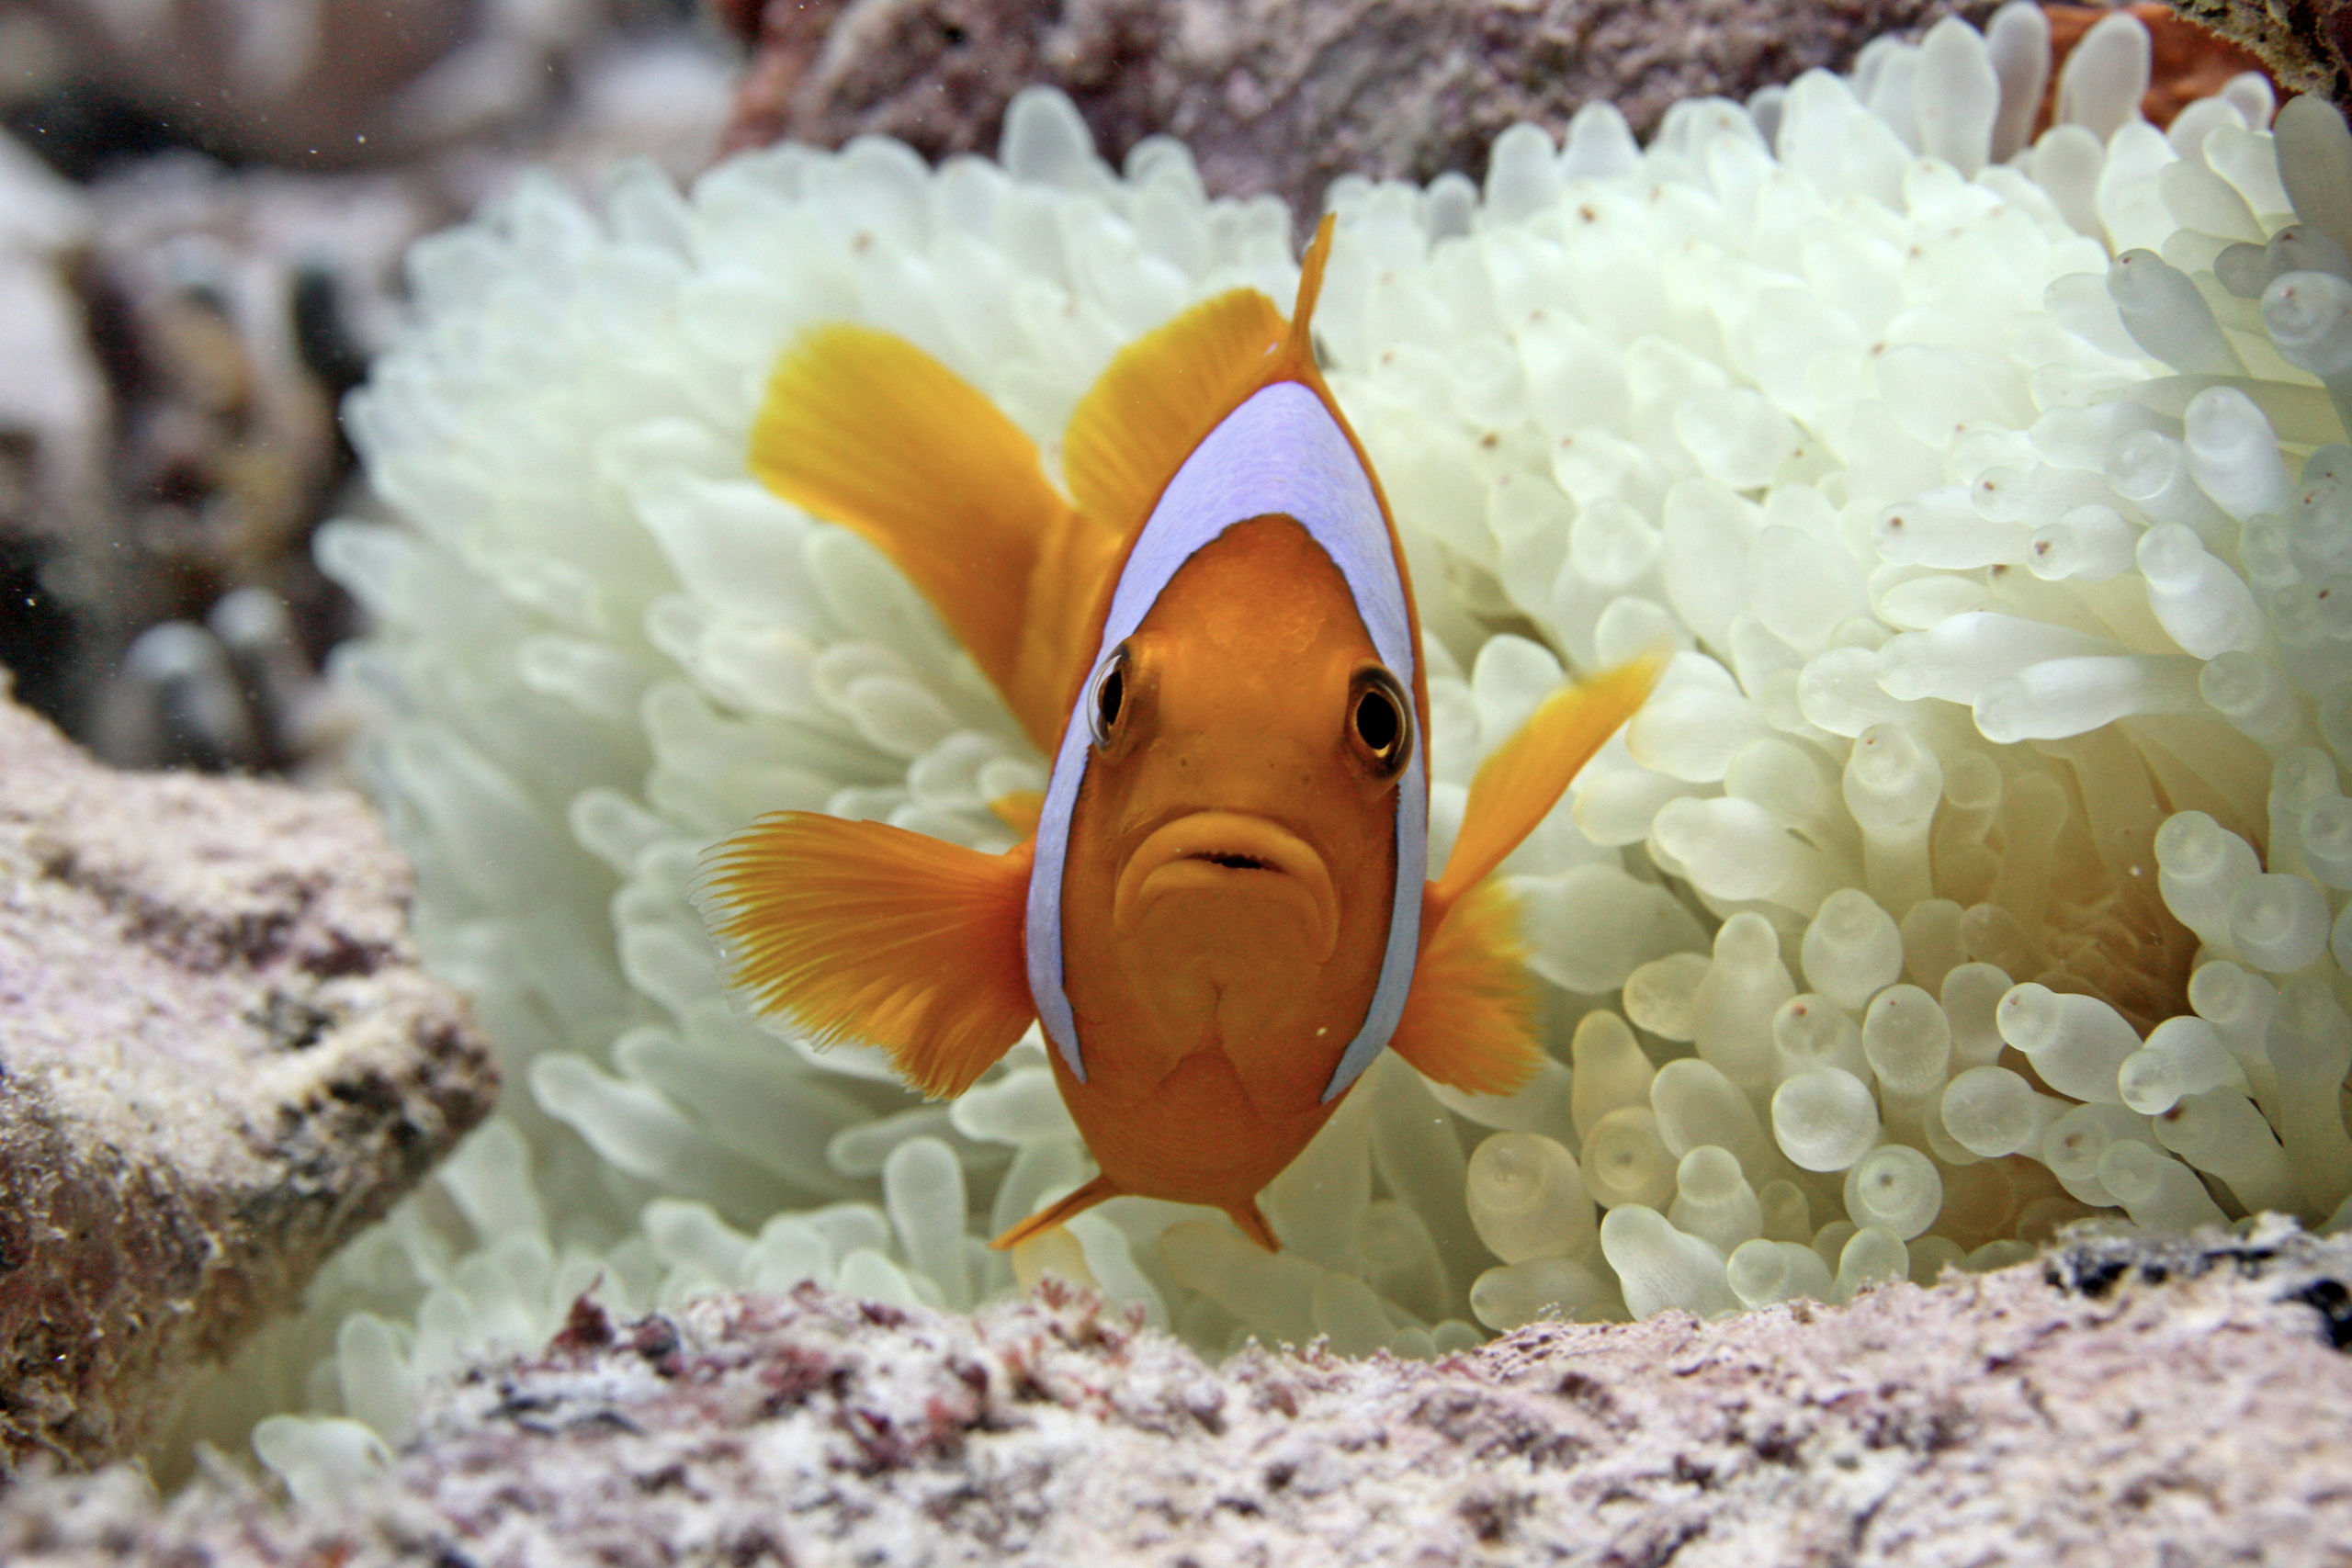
(218, 1060)
(2118, 1402)
(1281, 98)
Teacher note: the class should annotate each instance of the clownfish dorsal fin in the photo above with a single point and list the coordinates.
(1298, 343)
(1468, 1020)
(861, 931)
(1160, 395)
(1166, 390)
(868, 430)
(1158, 400)
(1522, 779)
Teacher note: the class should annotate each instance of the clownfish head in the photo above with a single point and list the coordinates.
(1248, 741)
(1233, 866)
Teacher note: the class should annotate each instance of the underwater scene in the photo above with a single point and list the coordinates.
(1281, 676)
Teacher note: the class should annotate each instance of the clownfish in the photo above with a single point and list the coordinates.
(1222, 913)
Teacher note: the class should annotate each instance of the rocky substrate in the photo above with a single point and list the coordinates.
(2119, 1401)
(219, 1059)
(1281, 98)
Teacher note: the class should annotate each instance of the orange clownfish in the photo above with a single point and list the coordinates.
(1221, 917)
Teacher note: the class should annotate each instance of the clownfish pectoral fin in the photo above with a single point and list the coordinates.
(1521, 781)
(860, 930)
(1046, 1218)
(1469, 1019)
(865, 429)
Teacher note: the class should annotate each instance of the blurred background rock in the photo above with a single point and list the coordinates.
(203, 205)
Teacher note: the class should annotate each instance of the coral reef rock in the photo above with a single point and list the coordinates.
(1281, 98)
(203, 208)
(2188, 59)
(315, 83)
(2307, 46)
(2119, 1401)
(218, 1060)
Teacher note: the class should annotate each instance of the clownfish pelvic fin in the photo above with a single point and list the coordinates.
(1467, 1020)
(863, 931)
(1244, 1215)
(1053, 1214)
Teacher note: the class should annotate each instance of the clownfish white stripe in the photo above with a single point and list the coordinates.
(1279, 453)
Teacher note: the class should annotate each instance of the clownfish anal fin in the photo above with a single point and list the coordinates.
(1469, 1019)
(867, 430)
(1519, 783)
(1161, 394)
(1046, 1218)
(863, 931)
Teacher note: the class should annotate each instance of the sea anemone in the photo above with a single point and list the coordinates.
(1978, 865)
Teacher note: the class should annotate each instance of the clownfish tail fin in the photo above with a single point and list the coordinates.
(863, 931)
(864, 429)
(1469, 1019)
(1298, 341)
(1046, 1218)
(1519, 783)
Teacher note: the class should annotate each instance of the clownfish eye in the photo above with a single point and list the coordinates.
(1108, 699)
(1380, 720)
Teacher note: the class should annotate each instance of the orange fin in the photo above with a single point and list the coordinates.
(1517, 786)
(1163, 393)
(1298, 343)
(867, 429)
(860, 930)
(1166, 390)
(1046, 1219)
(1469, 1019)
(1067, 593)
(1020, 810)
(1253, 1223)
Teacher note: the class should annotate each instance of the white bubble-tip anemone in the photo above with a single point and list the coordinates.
(1996, 496)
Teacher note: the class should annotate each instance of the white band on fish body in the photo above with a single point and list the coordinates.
(1281, 452)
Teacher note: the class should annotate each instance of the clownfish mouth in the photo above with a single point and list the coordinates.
(1230, 854)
